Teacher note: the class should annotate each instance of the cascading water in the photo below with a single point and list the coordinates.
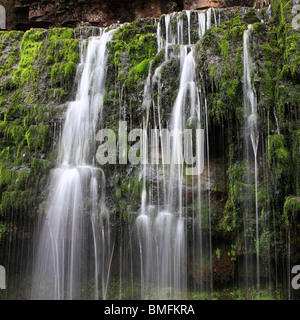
(74, 245)
(149, 230)
(252, 133)
(163, 246)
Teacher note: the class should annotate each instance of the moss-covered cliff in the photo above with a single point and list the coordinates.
(37, 72)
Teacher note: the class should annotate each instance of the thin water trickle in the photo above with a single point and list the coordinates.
(252, 132)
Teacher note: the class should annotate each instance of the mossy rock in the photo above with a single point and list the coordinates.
(291, 211)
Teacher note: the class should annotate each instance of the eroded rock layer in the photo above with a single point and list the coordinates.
(23, 14)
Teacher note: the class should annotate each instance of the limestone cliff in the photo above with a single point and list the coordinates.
(23, 14)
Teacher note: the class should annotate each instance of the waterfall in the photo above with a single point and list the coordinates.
(167, 22)
(163, 242)
(200, 197)
(201, 22)
(269, 12)
(252, 132)
(74, 243)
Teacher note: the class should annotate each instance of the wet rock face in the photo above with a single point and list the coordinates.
(24, 14)
(201, 4)
(91, 12)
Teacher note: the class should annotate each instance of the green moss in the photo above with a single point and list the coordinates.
(118, 193)
(137, 75)
(30, 46)
(37, 137)
(225, 49)
(13, 112)
(9, 36)
(26, 67)
(60, 33)
(21, 183)
(40, 167)
(209, 38)
(280, 163)
(25, 128)
(142, 47)
(6, 177)
(15, 132)
(232, 220)
(296, 160)
(15, 200)
(5, 228)
(278, 153)
(251, 17)
(15, 189)
(259, 28)
(292, 54)
(228, 96)
(236, 33)
(232, 91)
(51, 54)
(133, 47)
(125, 33)
(137, 188)
(239, 65)
(118, 49)
(10, 41)
(291, 210)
